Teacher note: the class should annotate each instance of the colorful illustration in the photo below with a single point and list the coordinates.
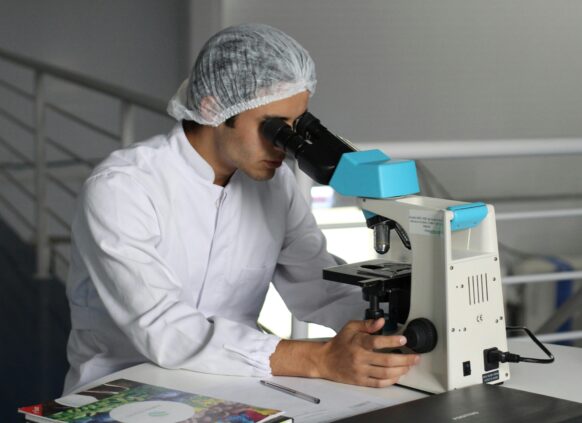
(141, 402)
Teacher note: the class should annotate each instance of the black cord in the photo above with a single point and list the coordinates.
(550, 358)
(498, 356)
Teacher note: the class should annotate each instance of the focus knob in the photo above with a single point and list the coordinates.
(421, 335)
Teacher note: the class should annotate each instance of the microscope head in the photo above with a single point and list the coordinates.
(316, 149)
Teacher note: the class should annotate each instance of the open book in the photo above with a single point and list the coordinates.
(128, 401)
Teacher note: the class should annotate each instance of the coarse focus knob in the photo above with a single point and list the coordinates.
(421, 335)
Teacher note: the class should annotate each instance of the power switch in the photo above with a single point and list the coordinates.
(466, 368)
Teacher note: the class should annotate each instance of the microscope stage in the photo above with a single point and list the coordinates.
(368, 273)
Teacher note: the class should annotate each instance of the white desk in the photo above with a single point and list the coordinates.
(560, 379)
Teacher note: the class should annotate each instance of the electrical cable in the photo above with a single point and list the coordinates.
(497, 356)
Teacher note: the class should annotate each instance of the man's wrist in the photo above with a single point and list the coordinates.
(298, 358)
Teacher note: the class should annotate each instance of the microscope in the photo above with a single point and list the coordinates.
(439, 284)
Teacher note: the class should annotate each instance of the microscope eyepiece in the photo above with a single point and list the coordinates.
(310, 127)
(306, 123)
(316, 150)
(282, 135)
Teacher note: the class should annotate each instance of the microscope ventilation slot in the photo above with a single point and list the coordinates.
(478, 289)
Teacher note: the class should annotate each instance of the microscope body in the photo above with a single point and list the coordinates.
(455, 284)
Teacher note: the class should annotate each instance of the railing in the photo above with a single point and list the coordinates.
(125, 136)
(129, 100)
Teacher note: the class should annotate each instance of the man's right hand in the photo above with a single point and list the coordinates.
(350, 357)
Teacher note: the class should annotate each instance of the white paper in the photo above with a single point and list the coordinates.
(337, 400)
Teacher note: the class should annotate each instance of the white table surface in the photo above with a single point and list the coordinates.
(560, 379)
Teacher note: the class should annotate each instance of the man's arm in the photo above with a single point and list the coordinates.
(349, 357)
(117, 232)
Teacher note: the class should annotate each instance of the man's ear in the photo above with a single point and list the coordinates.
(209, 108)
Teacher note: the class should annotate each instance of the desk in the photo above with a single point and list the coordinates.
(560, 379)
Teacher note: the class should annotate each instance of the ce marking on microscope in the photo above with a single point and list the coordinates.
(479, 318)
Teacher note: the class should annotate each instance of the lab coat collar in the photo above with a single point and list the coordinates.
(191, 156)
(194, 159)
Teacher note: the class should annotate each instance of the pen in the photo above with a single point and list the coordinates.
(291, 391)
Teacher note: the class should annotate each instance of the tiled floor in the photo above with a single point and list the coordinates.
(34, 326)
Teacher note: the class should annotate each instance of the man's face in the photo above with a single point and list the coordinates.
(244, 147)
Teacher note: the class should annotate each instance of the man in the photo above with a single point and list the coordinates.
(176, 239)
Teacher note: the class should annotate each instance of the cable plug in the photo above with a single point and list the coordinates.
(495, 355)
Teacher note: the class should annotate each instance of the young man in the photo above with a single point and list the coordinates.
(176, 239)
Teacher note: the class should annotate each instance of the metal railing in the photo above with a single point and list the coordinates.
(125, 136)
(130, 100)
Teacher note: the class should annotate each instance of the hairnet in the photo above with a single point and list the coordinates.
(241, 68)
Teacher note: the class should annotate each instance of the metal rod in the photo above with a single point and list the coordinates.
(10, 87)
(15, 120)
(42, 245)
(50, 164)
(18, 184)
(299, 329)
(16, 152)
(60, 239)
(58, 254)
(541, 277)
(57, 219)
(69, 153)
(16, 212)
(476, 148)
(82, 122)
(567, 310)
(61, 185)
(127, 129)
(115, 91)
(538, 214)
(554, 337)
(347, 225)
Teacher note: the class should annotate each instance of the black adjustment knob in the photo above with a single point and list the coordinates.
(421, 335)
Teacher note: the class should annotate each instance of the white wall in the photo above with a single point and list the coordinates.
(452, 69)
(139, 44)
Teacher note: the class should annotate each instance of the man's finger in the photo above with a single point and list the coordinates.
(380, 383)
(378, 342)
(387, 372)
(393, 360)
(367, 326)
(374, 326)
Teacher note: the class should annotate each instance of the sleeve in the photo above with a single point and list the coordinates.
(298, 275)
(117, 232)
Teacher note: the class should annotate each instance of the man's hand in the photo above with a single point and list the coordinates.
(350, 357)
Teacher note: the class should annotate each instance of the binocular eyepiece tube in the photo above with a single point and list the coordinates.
(316, 149)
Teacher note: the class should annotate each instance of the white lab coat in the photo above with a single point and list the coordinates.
(169, 268)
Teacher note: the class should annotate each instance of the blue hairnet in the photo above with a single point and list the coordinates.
(241, 68)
